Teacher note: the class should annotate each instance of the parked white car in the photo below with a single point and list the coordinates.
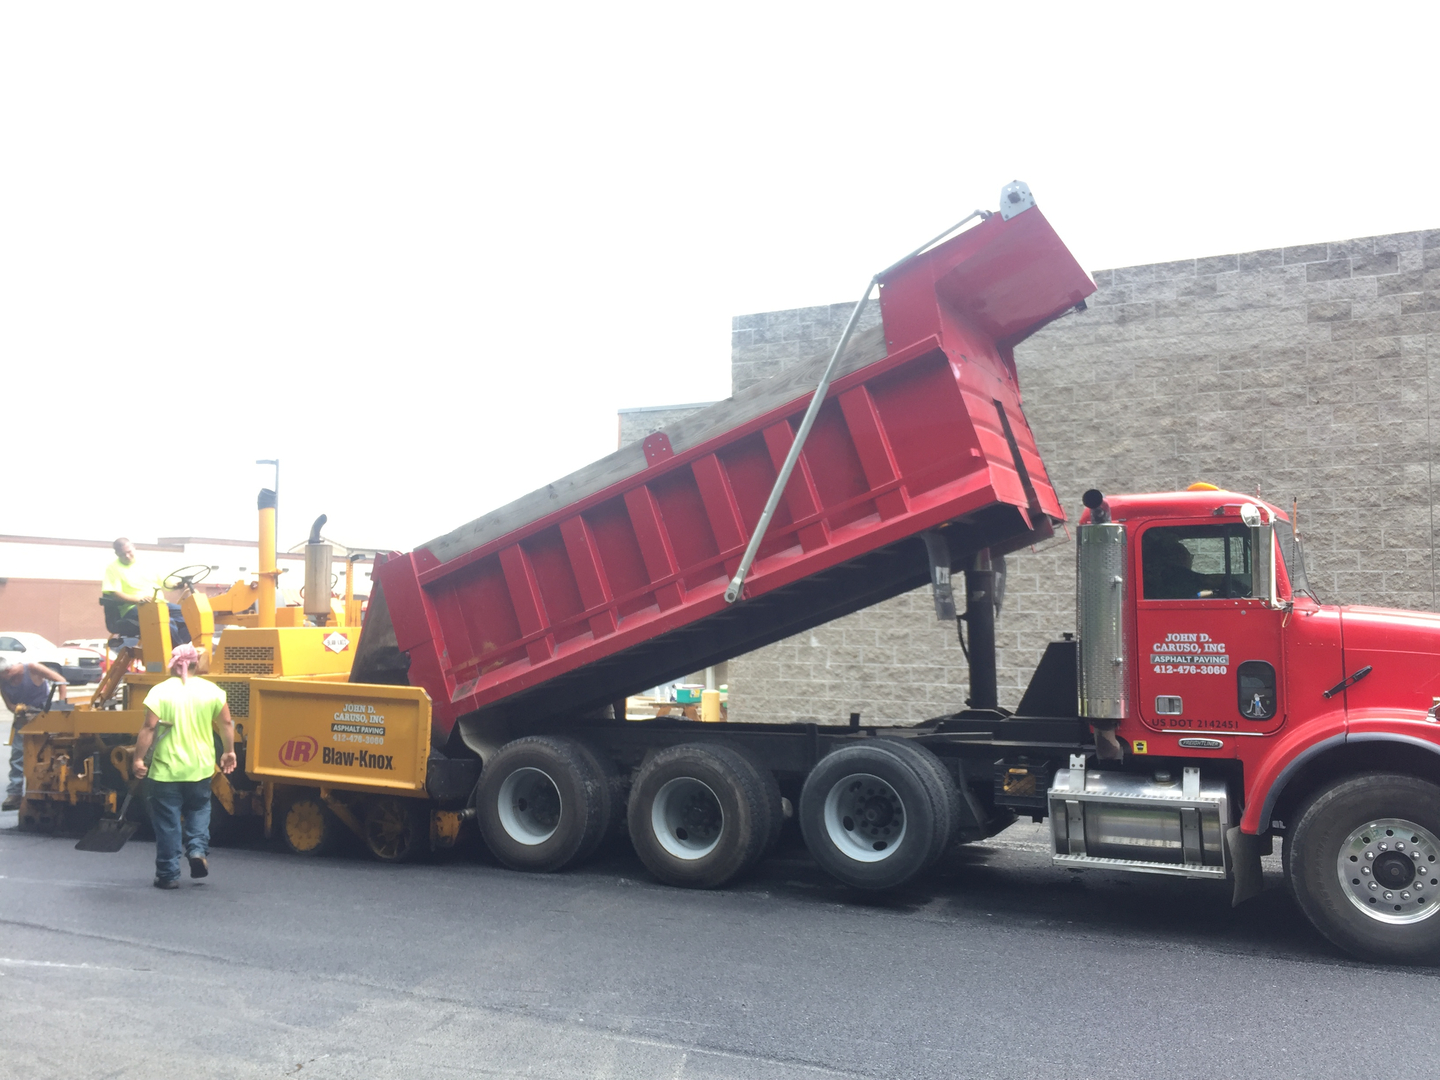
(78, 663)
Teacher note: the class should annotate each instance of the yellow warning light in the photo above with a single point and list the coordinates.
(1200, 485)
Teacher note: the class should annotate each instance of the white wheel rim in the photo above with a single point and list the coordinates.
(687, 818)
(1390, 870)
(529, 806)
(865, 818)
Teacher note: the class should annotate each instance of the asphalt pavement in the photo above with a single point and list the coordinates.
(996, 965)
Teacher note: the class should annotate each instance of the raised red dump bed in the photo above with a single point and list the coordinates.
(612, 580)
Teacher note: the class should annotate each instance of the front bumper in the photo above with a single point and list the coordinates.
(80, 674)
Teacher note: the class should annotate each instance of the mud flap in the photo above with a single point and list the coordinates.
(1245, 869)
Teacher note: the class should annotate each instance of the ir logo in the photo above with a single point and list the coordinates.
(299, 751)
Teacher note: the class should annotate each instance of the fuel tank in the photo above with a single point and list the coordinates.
(1163, 823)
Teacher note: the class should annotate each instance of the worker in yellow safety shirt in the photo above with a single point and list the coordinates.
(129, 583)
(182, 715)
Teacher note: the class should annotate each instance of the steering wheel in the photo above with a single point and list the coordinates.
(183, 577)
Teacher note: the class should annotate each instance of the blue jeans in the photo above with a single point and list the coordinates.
(180, 816)
(128, 625)
(179, 632)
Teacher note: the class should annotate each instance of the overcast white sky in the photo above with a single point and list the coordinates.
(423, 252)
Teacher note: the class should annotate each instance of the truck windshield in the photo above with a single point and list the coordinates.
(1196, 562)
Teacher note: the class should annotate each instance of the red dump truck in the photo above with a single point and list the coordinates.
(1206, 703)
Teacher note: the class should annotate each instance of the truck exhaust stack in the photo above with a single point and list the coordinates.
(1100, 593)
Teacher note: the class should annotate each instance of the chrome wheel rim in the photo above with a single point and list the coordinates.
(529, 806)
(865, 818)
(1390, 870)
(687, 818)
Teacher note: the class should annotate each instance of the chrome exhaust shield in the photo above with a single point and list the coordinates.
(1100, 579)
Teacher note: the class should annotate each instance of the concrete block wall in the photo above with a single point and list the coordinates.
(1309, 372)
(635, 424)
(765, 344)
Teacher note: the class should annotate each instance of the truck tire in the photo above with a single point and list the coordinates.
(543, 803)
(396, 830)
(773, 798)
(944, 793)
(1363, 862)
(871, 817)
(307, 826)
(700, 814)
(610, 798)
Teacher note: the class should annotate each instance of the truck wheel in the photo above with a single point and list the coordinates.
(396, 829)
(543, 803)
(308, 828)
(1364, 865)
(944, 794)
(699, 815)
(777, 809)
(609, 798)
(870, 817)
(773, 799)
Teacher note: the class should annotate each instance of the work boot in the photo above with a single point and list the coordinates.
(167, 883)
(12, 802)
(199, 866)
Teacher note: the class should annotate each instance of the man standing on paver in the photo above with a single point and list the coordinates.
(29, 685)
(127, 583)
(182, 715)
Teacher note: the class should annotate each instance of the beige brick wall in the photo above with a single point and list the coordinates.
(1305, 371)
(765, 344)
(635, 424)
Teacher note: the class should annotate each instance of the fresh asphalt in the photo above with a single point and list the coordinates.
(997, 965)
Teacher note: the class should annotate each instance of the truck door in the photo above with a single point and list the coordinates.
(1209, 652)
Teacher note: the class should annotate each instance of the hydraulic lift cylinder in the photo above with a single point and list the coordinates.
(980, 620)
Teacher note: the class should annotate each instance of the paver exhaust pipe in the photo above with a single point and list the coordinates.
(319, 559)
(267, 574)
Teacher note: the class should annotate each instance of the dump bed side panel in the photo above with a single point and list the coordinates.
(613, 578)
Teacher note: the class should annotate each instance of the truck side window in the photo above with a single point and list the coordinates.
(1256, 684)
(1196, 562)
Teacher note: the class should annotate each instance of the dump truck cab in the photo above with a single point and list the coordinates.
(1206, 600)
(1203, 653)
(1228, 660)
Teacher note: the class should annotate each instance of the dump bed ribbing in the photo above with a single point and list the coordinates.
(612, 579)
